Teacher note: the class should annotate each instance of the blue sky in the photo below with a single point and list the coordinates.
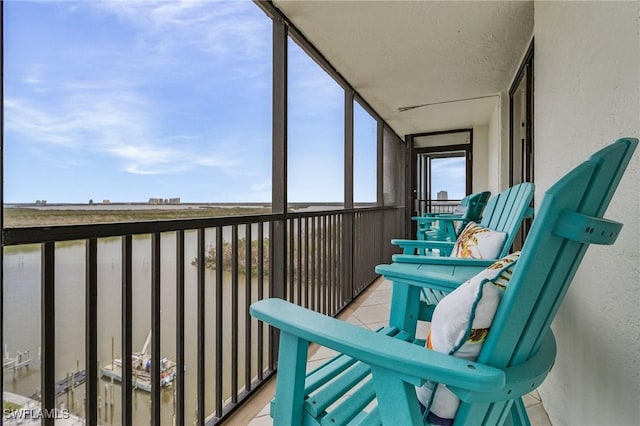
(449, 174)
(125, 100)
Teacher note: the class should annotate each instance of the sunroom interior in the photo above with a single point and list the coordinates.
(536, 85)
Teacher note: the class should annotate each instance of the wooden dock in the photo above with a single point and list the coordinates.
(70, 382)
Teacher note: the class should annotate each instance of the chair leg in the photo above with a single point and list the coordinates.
(292, 364)
(519, 415)
(405, 306)
(397, 400)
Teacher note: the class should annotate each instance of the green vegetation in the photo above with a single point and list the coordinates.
(210, 257)
(24, 217)
(8, 406)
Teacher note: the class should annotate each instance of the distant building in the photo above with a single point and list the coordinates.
(443, 195)
(41, 202)
(164, 200)
(106, 201)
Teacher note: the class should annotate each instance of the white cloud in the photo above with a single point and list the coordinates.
(106, 126)
(221, 28)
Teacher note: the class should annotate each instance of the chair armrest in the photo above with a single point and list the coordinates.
(435, 215)
(437, 277)
(424, 218)
(449, 217)
(440, 218)
(422, 243)
(437, 260)
(410, 246)
(412, 362)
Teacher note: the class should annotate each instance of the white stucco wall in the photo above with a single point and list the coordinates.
(503, 152)
(480, 158)
(493, 150)
(587, 94)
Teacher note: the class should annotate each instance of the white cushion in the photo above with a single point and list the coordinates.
(459, 210)
(478, 242)
(459, 327)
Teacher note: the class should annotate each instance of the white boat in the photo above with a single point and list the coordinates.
(141, 369)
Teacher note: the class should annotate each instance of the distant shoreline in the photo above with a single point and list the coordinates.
(68, 214)
(183, 205)
(32, 214)
(128, 205)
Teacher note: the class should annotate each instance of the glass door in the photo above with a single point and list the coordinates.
(441, 172)
(441, 181)
(521, 134)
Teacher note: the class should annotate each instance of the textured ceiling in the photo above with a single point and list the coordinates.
(400, 54)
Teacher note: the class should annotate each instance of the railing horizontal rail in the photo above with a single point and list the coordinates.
(42, 234)
(293, 215)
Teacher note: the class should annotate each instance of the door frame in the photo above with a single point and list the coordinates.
(525, 67)
(411, 178)
(526, 71)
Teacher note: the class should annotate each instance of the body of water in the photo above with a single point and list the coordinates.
(22, 271)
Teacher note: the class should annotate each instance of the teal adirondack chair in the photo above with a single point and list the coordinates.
(517, 355)
(446, 226)
(503, 213)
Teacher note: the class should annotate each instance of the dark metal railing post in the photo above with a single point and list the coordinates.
(272, 335)
(298, 268)
(313, 280)
(234, 314)
(247, 300)
(48, 335)
(201, 302)
(91, 330)
(180, 333)
(127, 327)
(219, 319)
(305, 265)
(323, 260)
(290, 262)
(155, 328)
(260, 297)
(336, 279)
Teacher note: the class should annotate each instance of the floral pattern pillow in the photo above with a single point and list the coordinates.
(478, 242)
(459, 327)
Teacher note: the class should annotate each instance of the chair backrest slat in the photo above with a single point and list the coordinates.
(505, 212)
(549, 262)
(476, 204)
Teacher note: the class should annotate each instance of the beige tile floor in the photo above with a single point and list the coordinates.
(370, 309)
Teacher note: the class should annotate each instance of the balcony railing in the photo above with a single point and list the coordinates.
(435, 206)
(187, 284)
